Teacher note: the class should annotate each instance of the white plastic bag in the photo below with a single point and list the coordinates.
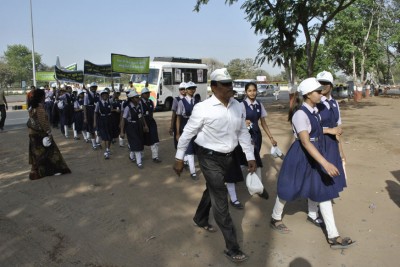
(254, 184)
(46, 141)
(276, 152)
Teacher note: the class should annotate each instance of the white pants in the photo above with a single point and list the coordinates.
(154, 151)
(232, 191)
(326, 211)
(190, 160)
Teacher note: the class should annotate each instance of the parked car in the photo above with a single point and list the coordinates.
(238, 87)
(265, 89)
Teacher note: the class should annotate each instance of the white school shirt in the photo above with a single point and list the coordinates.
(127, 114)
(335, 104)
(86, 98)
(181, 107)
(300, 120)
(217, 127)
(175, 103)
(261, 106)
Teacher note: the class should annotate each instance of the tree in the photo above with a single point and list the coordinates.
(6, 75)
(280, 22)
(243, 69)
(19, 59)
(212, 64)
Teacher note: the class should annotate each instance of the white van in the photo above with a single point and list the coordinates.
(166, 73)
(238, 86)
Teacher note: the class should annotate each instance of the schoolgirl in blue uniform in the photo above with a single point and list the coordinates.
(65, 106)
(150, 133)
(183, 112)
(329, 112)
(133, 123)
(305, 171)
(174, 108)
(116, 107)
(90, 100)
(102, 119)
(78, 116)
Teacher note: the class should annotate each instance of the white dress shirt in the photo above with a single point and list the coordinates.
(300, 120)
(335, 104)
(217, 127)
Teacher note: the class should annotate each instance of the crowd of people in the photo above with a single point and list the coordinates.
(226, 137)
(102, 118)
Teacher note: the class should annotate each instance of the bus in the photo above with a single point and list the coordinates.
(165, 75)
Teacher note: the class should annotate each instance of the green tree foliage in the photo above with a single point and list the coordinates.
(6, 75)
(244, 69)
(283, 21)
(19, 59)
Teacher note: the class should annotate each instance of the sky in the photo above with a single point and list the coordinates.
(76, 30)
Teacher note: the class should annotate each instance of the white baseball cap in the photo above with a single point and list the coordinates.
(53, 85)
(221, 75)
(132, 94)
(182, 85)
(190, 85)
(309, 85)
(104, 92)
(93, 84)
(325, 76)
(80, 91)
(145, 90)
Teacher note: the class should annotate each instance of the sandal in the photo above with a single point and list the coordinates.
(264, 194)
(317, 222)
(237, 204)
(208, 228)
(340, 243)
(236, 255)
(279, 226)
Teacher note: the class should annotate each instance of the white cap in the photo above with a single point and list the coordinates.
(80, 91)
(182, 85)
(220, 75)
(53, 85)
(325, 76)
(309, 85)
(88, 85)
(190, 85)
(93, 84)
(132, 94)
(74, 89)
(41, 88)
(46, 141)
(145, 90)
(104, 92)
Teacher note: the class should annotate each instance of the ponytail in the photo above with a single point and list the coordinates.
(296, 106)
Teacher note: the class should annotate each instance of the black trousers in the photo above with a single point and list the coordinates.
(3, 115)
(214, 168)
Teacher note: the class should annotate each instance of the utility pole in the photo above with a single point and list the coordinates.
(33, 49)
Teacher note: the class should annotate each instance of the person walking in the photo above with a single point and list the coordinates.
(133, 124)
(174, 107)
(44, 155)
(102, 121)
(305, 172)
(183, 113)
(150, 130)
(90, 100)
(219, 125)
(3, 109)
(331, 120)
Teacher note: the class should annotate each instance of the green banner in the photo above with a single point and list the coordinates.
(69, 76)
(98, 70)
(130, 65)
(72, 67)
(45, 76)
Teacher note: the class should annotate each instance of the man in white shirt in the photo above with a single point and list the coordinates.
(219, 124)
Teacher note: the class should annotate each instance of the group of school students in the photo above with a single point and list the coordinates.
(102, 117)
(314, 165)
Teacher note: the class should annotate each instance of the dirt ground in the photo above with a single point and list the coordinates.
(110, 213)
